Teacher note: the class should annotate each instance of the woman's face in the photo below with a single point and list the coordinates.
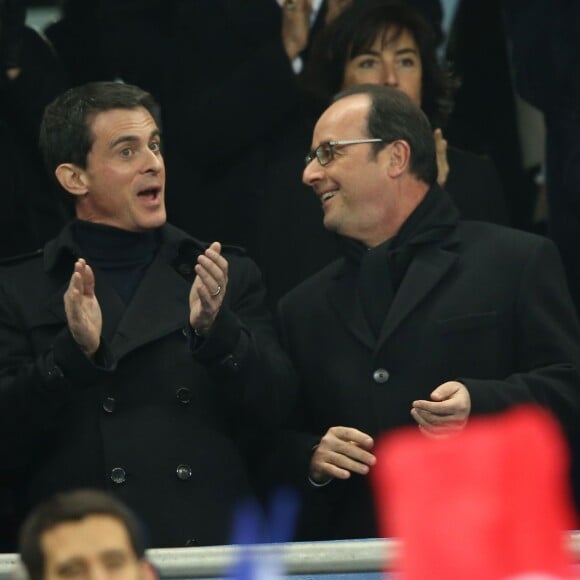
(392, 60)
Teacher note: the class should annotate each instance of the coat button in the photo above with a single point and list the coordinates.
(183, 395)
(381, 376)
(118, 475)
(109, 404)
(191, 543)
(55, 372)
(183, 471)
(230, 363)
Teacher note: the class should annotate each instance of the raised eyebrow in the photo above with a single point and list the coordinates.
(124, 139)
(133, 138)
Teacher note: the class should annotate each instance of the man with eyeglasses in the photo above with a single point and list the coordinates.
(134, 358)
(425, 321)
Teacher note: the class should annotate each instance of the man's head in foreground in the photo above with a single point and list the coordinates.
(83, 534)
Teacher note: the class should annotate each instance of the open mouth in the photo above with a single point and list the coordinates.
(328, 195)
(149, 194)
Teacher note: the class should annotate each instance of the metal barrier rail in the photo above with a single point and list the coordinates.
(329, 558)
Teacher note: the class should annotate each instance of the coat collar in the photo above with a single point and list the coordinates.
(65, 248)
(160, 304)
(429, 267)
(433, 258)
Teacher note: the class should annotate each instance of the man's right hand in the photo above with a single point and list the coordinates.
(295, 26)
(82, 309)
(342, 451)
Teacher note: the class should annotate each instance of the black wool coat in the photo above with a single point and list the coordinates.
(166, 424)
(486, 305)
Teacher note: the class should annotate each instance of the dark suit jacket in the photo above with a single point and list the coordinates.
(163, 422)
(487, 306)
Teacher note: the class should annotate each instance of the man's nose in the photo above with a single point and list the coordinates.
(153, 162)
(312, 172)
(98, 572)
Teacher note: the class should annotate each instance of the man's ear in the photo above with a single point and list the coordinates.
(72, 178)
(400, 158)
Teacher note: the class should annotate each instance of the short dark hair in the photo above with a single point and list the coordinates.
(65, 134)
(393, 115)
(72, 506)
(355, 30)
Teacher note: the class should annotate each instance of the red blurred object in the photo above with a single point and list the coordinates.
(489, 503)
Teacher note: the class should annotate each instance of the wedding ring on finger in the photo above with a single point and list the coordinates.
(218, 290)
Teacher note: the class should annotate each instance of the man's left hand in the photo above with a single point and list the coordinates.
(447, 411)
(208, 289)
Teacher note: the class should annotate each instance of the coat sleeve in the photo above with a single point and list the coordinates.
(242, 353)
(548, 348)
(35, 383)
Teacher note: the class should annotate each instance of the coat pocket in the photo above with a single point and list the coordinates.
(468, 322)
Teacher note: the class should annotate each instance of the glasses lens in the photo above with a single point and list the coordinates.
(324, 153)
(308, 158)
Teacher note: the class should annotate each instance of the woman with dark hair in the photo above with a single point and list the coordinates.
(365, 30)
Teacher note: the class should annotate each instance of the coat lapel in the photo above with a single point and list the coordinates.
(343, 298)
(59, 258)
(426, 271)
(159, 307)
(53, 309)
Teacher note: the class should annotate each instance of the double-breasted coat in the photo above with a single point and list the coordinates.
(486, 305)
(163, 422)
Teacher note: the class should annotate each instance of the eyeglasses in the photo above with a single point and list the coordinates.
(325, 151)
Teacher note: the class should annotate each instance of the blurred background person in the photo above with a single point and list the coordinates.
(31, 75)
(485, 116)
(545, 50)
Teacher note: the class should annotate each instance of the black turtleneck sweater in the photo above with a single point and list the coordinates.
(121, 255)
